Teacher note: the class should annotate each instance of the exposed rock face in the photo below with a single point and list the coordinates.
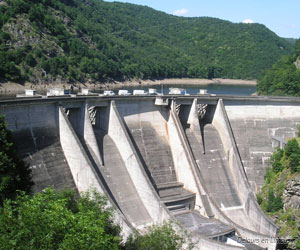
(291, 200)
(291, 194)
(21, 32)
(297, 63)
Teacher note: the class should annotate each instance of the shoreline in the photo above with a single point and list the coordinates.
(11, 88)
(181, 81)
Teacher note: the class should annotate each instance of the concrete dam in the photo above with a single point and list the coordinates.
(197, 160)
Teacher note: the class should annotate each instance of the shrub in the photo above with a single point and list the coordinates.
(292, 147)
(163, 237)
(51, 220)
(259, 198)
(274, 202)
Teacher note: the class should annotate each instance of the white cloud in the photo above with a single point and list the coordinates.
(248, 21)
(181, 12)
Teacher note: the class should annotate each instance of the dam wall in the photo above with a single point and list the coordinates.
(148, 127)
(218, 181)
(84, 173)
(89, 136)
(35, 128)
(253, 125)
(109, 150)
(118, 133)
(261, 222)
(195, 159)
(183, 165)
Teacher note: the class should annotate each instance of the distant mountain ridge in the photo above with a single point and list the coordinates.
(89, 40)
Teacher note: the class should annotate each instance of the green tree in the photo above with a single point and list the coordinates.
(51, 220)
(259, 198)
(163, 237)
(297, 47)
(276, 160)
(292, 147)
(283, 78)
(274, 202)
(294, 161)
(4, 36)
(29, 59)
(14, 173)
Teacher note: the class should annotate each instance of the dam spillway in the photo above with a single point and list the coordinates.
(195, 159)
(148, 128)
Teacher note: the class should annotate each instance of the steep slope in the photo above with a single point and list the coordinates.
(283, 78)
(280, 195)
(94, 41)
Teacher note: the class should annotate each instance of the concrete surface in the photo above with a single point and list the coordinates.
(253, 128)
(118, 132)
(214, 166)
(35, 129)
(108, 162)
(150, 131)
(119, 182)
(84, 172)
(147, 125)
(237, 195)
(263, 225)
(147, 159)
(193, 221)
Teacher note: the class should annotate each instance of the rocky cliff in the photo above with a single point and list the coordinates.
(280, 196)
(289, 218)
(297, 63)
(291, 194)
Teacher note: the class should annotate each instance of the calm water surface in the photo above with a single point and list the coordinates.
(191, 89)
(194, 89)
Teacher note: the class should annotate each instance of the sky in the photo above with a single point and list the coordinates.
(280, 16)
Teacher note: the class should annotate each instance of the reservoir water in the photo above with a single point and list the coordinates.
(218, 89)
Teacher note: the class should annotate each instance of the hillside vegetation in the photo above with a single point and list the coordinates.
(89, 40)
(280, 196)
(62, 220)
(283, 78)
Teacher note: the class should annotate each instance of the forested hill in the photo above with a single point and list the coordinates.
(89, 40)
(284, 77)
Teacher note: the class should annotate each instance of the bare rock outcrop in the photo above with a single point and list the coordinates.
(291, 194)
(297, 63)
